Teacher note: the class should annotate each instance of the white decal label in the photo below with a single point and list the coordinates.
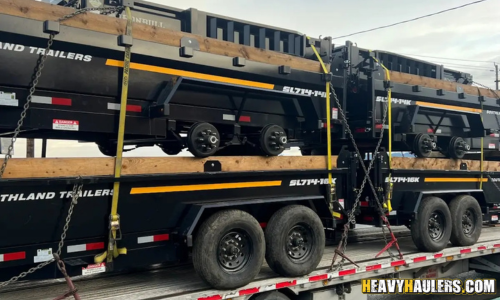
(299, 91)
(43, 255)
(341, 202)
(335, 113)
(394, 100)
(52, 195)
(94, 269)
(491, 146)
(69, 125)
(494, 218)
(302, 182)
(8, 99)
(403, 179)
(37, 51)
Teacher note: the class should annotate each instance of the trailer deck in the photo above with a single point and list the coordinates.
(181, 282)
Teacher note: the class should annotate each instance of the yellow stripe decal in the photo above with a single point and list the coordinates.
(451, 107)
(456, 180)
(175, 72)
(203, 187)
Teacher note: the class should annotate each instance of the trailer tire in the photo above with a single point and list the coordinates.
(461, 206)
(245, 238)
(306, 228)
(423, 238)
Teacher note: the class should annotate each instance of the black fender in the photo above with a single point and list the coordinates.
(411, 199)
(198, 211)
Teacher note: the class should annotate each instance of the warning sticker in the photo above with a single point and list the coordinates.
(491, 146)
(335, 113)
(65, 125)
(43, 255)
(494, 218)
(94, 269)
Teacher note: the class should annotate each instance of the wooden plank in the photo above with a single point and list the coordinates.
(73, 167)
(442, 84)
(442, 164)
(42, 11)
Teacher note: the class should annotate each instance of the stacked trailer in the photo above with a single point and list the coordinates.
(184, 199)
(222, 86)
(169, 208)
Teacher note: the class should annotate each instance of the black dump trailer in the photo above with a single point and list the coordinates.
(228, 213)
(245, 103)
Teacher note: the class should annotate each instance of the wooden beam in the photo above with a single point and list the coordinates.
(21, 168)
(437, 84)
(24, 168)
(42, 11)
(442, 164)
(106, 24)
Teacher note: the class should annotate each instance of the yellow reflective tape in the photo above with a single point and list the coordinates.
(456, 180)
(175, 72)
(450, 107)
(203, 187)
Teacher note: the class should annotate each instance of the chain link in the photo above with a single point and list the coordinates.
(77, 188)
(351, 215)
(487, 87)
(36, 77)
(73, 4)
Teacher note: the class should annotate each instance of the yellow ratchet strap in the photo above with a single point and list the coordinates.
(389, 103)
(113, 251)
(482, 147)
(328, 116)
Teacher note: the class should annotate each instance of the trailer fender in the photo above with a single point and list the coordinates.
(198, 211)
(411, 199)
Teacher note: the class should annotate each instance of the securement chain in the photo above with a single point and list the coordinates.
(72, 3)
(351, 216)
(36, 77)
(77, 189)
(487, 87)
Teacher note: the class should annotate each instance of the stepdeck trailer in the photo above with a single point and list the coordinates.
(178, 283)
(229, 213)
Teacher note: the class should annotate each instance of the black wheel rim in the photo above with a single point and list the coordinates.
(203, 139)
(458, 147)
(234, 250)
(468, 221)
(273, 140)
(436, 225)
(423, 145)
(299, 242)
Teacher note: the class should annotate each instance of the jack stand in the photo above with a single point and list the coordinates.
(72, 290)
(392, 242)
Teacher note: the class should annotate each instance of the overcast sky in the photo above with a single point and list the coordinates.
(471, 33)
